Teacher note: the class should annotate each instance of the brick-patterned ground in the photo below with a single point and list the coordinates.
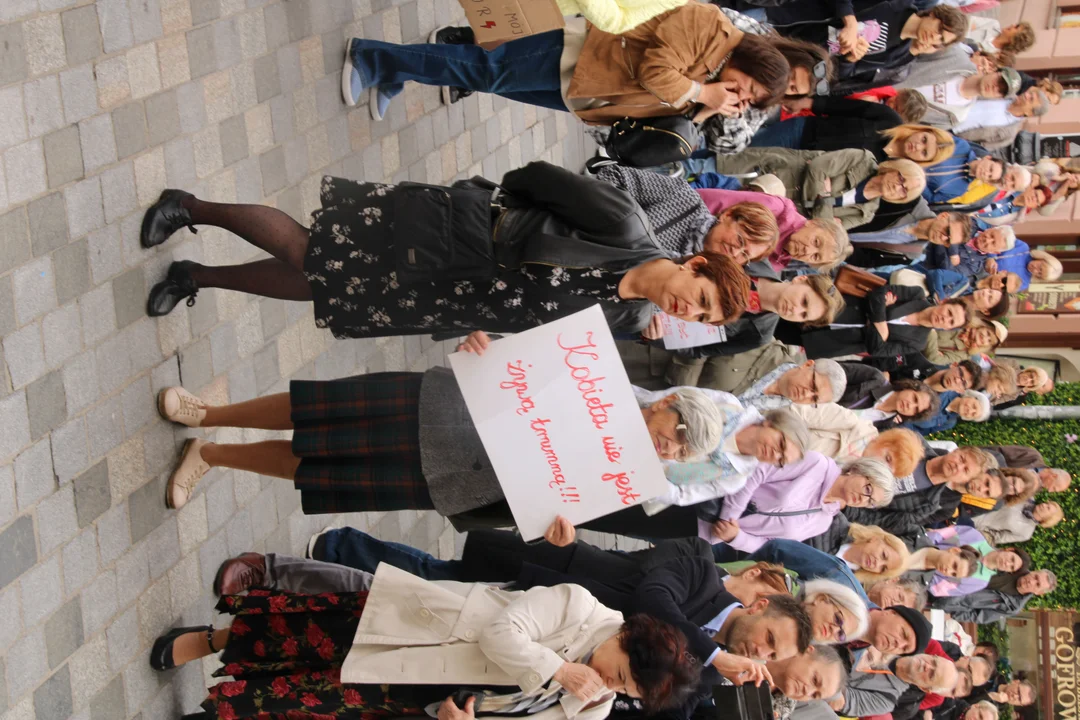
(103, 104)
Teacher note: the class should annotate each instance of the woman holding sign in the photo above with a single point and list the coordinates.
(391, 441)
(383, 260)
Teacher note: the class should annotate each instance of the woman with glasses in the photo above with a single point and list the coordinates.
(391, 441)
(799, 501)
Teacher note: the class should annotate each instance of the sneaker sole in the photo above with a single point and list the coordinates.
(373, 105)
(445, 91)
(346, 76)
(433, 36)
(172, 478)
(314, 538)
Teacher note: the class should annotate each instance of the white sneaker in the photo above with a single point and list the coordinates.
(314, 538)
(351, 84)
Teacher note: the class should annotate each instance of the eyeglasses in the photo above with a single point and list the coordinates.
(822, 85)
(815, 393)
(740, 254)
(868, 493)
(838, 619)
(783, 450)
(682, 437)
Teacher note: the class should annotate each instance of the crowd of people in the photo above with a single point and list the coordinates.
(827, 193)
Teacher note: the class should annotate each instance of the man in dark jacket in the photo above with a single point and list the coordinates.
(931, 494)
(837, 123)
(854, 331)
(865, 385)
(982, 607)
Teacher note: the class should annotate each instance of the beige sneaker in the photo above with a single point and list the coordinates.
(185, 478)
(180, 406)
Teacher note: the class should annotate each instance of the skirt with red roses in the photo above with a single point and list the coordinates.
(285, 653)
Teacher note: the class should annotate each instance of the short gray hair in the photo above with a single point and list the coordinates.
(840, 239)
(984, 405)
(1043, 105)
(877, 473)
(830, 655)
(836, 375)
(704, 423)
(841, 595)
(1009, 235)
(791, 425)
(918, 590)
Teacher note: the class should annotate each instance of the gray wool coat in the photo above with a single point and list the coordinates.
(456, 466)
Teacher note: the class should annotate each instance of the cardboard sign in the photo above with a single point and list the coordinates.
(496, 21)
(679, 334)
(560, 423)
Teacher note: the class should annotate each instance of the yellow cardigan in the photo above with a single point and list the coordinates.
(617, 16)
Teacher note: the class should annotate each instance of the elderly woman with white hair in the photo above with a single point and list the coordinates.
(813, 382)
(971, 405)
(837, 614)
(778, 438)
(799, 501)
(392, 441)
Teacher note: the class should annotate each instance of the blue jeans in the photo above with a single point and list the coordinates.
(787, 134)
(526, 70)
(352, 548)
(696, 166)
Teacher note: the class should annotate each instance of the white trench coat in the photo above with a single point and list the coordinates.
(423, 632)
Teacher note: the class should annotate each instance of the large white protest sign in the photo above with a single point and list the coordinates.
(679, 334)
(560, 424)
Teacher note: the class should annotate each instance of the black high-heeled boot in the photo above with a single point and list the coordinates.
(165, 217)
(177, 285)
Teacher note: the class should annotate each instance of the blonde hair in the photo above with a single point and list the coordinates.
(914, 177)
(868, 533)
(822, 285)
(906, 447)
(898, 135)
(1054, 519)
(1030, 481)
(758, 225)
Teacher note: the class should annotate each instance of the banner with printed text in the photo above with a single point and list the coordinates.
(559, 422)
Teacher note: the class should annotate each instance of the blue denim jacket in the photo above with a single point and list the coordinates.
(810, 563)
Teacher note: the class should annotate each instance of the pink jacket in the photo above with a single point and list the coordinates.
(787, 217)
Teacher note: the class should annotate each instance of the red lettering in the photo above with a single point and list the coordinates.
(519, 386)
(623, 487)
(538, 427)
(586, 384)
(613, 453)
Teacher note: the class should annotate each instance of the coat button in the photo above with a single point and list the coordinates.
(470, 634)
(425, 613)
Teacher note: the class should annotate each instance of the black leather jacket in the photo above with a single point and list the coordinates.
(556, 217)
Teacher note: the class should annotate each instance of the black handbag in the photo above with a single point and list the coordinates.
(743, 702)
(443, 232)
(648, 142)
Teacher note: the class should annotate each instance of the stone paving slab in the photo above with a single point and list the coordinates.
(103, 104)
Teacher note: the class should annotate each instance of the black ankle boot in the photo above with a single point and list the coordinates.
(165, 217)
(177, 285)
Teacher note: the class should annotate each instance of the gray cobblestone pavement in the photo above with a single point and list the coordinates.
(102, 105)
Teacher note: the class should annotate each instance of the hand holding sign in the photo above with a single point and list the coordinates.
(560, 423)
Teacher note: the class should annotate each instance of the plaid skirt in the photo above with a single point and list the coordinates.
(358, 440)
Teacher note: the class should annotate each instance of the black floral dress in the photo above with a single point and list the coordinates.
(285, 653)
(350, 266)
